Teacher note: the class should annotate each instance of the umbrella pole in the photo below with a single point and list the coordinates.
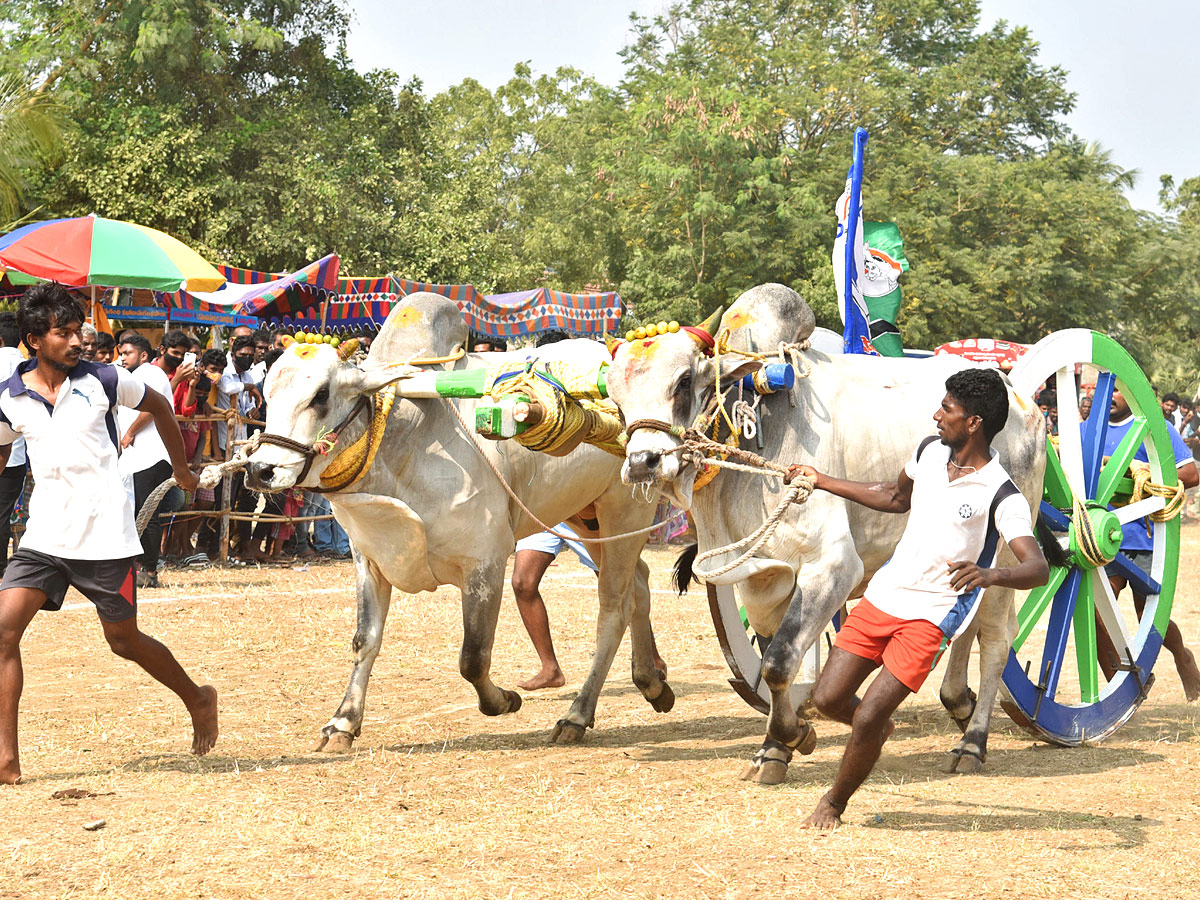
(92, 311)
(324, 313)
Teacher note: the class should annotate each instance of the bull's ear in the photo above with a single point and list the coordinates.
(368, 379)
(734, 366)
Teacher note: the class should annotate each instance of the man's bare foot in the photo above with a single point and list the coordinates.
(204, 721)
(10, 772)
(1189, 674)
(825, 817)
(547, 678)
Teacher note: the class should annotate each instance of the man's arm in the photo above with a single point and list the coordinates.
(163, 414)
(5, 453)
(140, 422)
(885, 496)
(1031, 569)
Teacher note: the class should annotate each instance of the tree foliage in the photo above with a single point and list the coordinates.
(242, 128)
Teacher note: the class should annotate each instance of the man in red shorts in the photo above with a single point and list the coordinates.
(960, 502)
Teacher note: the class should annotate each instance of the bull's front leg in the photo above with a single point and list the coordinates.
(821, 592)
(374, 597)
(997, 625)
(482, 590)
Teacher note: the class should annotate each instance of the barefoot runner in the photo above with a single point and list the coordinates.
(81, 528)
(961, 500)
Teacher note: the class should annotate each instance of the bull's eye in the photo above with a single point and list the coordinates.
(321, 397)
(683, 386)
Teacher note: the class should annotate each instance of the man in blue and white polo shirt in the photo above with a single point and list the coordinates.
(1137, 543)
(960, 503)
(81, 528)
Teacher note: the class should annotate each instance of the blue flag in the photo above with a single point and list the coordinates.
(849, 256)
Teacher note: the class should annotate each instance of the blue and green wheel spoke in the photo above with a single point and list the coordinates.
(1078, 600)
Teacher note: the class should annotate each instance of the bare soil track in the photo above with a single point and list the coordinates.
(439, 801)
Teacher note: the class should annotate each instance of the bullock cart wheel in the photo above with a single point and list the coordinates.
(743, 651)
(1053, 684)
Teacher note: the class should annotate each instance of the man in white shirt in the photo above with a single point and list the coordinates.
(237, 390)
(12, 479)
(144, 455)
(962, 502)
(81, 529)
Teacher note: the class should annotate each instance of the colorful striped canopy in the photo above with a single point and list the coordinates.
(525, 313)
(106, 252)
(249, 293)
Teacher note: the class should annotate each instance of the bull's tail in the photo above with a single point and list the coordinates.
(681, 573)
(1051, 548)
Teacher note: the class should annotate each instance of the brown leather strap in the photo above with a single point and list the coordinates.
(307, 450)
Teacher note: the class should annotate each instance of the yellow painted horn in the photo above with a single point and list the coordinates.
(346, 349)
(709, 325)
(287, 340)
(612, 344)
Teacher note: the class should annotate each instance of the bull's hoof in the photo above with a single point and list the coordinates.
(963, 721)
(334, 742)
(567, 732)
(962, 762)
(770, 771)
(514, 700)
(749, 773)
(664, 701)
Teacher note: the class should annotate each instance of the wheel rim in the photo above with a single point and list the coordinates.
(743, 651)
(1064, 611)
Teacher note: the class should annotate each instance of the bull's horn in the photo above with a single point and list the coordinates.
(612, 344)
(709, 325)
(287, 340)
(346, 349)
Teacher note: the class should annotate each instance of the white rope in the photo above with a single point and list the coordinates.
(210, 476)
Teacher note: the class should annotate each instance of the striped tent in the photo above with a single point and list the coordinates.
(525, 313)
(265, 295)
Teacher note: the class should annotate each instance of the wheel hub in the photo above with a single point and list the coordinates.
(1108, 535)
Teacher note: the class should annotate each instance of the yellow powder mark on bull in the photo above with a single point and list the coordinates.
(305, 351)
(737, 319)
(643, 349)
(407, 317)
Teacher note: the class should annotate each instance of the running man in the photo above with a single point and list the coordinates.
(961, 500)
(81, 528)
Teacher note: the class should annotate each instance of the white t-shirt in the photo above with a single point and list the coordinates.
(10, 358)
(947, 521)
(147, 447)
(234, 385)
(79, 508)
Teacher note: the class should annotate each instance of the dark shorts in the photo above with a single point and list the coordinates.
(1140, 558)
(111, 584)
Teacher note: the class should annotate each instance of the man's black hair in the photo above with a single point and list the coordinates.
(176, 338)
(45, 306)
(1171, 398)
(241, 342)
(10, 334)
(272, 356)
(214, 358)
(105, 341)
(262, 336)
(981, 392)
(495, 343)
(551, 337)
(140, 342)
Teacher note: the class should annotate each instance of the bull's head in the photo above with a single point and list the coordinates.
(668, 379)
(309, 391)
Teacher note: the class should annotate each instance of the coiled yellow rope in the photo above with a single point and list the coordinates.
(566, 421)
(352, 463)
(1143, 487)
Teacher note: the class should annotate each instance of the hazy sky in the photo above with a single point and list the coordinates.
(1129, 63)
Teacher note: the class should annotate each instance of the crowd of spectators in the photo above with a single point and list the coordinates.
(217, 396)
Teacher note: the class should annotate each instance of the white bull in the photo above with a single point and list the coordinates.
(854, 417)
(430, 512)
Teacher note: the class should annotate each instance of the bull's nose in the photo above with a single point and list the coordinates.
(643, 464)
(259, 474)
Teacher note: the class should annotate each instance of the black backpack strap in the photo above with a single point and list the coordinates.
(925, 442)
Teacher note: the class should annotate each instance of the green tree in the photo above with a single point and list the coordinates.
(30, 132)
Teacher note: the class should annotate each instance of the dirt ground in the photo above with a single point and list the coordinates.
(439, 801)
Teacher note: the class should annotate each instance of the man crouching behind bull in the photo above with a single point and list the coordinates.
(960, 500)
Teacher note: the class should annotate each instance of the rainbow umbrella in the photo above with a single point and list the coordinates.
(92, 250)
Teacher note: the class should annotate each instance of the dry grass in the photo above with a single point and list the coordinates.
(439, 801)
